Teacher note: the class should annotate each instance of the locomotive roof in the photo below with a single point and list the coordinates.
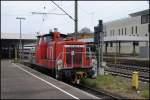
(61, 35)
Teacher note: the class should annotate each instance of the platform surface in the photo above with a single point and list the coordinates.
(22, 82)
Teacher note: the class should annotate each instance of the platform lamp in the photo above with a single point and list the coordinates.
(20, 41)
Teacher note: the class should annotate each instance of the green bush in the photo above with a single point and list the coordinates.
(145, 92)
(114, 83)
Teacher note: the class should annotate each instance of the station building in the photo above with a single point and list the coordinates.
(10, 42)
(126, 36)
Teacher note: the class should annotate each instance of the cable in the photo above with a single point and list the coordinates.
(46, 13)
(14, 15)
(51, 10)
(85, 11)
(89, 14)
(63, 10)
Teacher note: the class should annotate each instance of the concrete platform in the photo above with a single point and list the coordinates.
(21, 82)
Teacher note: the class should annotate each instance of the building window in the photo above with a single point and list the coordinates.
(122, 31)
(125, 31)
(148, 28)
(113, 32)
(144, 19)
(106, 44)
(146, 35)
(132, 30)
(110, 32)
(136, 29)
(111, 44)
(119, 31)
(136, 43)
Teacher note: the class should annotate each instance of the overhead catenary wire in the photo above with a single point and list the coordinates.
(63, 10)
(74, 19)
(51, 10)
(90, 14)
(85, 11)
(15, 15)
(46, 13)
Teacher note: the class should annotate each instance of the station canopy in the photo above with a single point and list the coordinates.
(17, 36)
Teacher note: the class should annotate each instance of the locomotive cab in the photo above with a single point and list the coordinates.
(64, 56)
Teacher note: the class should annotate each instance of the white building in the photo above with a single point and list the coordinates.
(126, 35)
(131, 32)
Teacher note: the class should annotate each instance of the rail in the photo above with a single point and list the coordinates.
(99, 92)
(126, 71)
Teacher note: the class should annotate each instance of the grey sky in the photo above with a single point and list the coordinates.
(89, 14)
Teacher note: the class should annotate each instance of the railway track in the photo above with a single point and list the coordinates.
(129, 67)
(131, 62)
(126, 71)
(99, 93)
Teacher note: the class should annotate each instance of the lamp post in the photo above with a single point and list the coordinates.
(20, 41)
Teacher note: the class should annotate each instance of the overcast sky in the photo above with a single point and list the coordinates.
(89, 12)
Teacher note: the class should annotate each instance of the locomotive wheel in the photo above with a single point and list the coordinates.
(78, 76)
(74, 79)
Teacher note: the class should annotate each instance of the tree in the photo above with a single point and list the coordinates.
(85, 30)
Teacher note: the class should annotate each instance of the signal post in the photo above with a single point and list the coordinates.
(99, 41)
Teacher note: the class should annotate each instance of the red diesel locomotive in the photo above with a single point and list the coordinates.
(64, 56)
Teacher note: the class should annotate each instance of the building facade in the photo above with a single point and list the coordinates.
(127, 35)
(11, 41)
(131, 33)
